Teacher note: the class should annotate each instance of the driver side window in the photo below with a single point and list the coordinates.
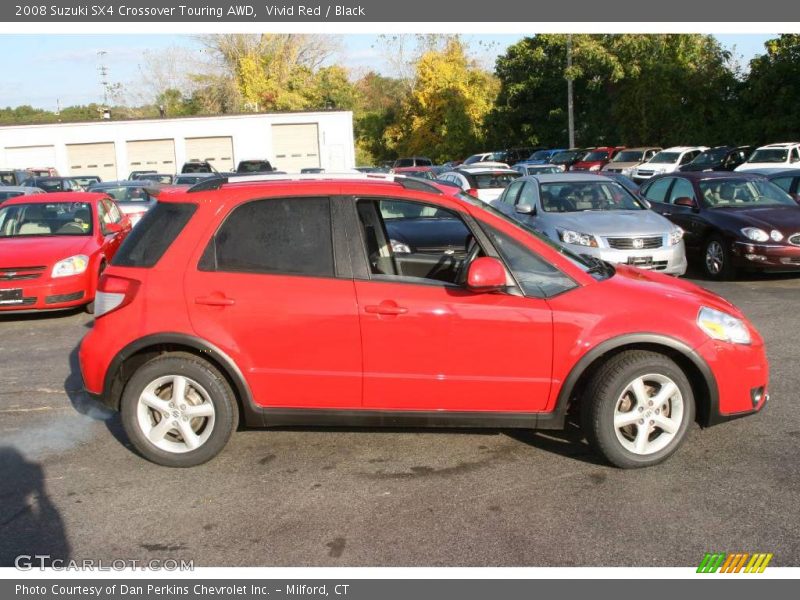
(415, 242)
(681, 189)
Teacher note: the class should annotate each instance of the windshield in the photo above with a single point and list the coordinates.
(743, 193)
(629, 156)
(710, 157)
(501, 179)
(124, 193)
(769, 155)
(594, 156)
(254, 166)
(565, 157)
(587, 195)
(540, 155)
(581, 262)
(7, 195)
(40, 219)
(666, 157)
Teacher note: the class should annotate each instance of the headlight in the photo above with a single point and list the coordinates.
(675, 236)
(400, 247)
(575, 237)
(594, 168)
(74, 265)
(722, 326)
(776, 235)
(755, 234)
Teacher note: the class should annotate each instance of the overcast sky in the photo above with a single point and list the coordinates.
(42, 70)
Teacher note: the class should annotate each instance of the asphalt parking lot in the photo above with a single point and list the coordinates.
(71, 486)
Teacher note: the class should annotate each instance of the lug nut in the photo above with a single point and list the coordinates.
(174, 423)
(183, 407)
(172, 405)
(650, 403)
(641, 421)
(658, 411)
(641, 409)
(185, 418)
(652, 422)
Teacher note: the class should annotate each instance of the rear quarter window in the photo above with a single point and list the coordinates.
(154, 234)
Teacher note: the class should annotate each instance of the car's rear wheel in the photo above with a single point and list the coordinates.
(717, 262)
(637, 408)
(178, 410)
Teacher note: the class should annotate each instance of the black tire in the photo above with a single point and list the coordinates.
(220, 394)
(721, 249)
(605, 389)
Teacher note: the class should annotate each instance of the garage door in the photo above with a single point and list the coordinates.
(152, 155)
(215, 150)
(93, 159)
(295, 147)
(31, 156)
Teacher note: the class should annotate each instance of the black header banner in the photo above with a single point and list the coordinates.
(371, 11)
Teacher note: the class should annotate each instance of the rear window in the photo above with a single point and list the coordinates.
(279, 236)
(485, 181)
(149, 240)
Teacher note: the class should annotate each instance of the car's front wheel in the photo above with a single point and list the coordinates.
(717, 262)
(637, 408)
(178, 410)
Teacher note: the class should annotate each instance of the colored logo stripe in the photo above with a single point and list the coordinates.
(734, 562)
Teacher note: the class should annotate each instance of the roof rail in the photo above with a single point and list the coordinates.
(410, 183)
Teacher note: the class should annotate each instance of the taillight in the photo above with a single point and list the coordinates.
(113, 293)
(473, 192)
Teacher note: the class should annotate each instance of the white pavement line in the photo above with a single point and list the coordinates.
(35, 409)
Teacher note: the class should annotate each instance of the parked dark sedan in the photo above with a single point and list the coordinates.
(719, 158)
(730, 220)
(54, 184)
(788, 180)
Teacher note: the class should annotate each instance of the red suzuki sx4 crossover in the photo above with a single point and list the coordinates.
(387, 302)
(53, 248)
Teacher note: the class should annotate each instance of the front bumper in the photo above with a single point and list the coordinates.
(671, 260)
(741, 372)
(46, 294)
(766, 257)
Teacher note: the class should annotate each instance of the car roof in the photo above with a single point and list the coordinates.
(684, 148)
(19, 188)
(484, 167)
(564, 177)
(770, 175)
(56, 197)
(702, 175)
(121, 183)
(781, 145)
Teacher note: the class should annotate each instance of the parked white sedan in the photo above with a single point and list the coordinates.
(486, 182)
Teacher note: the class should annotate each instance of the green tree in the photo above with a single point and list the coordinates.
(444, 114)
(770, 107)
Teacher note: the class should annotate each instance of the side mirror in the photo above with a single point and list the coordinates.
(486, 274)
(526, 209)
(685, 201)
(111, 228)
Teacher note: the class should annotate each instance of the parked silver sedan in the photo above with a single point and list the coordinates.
(598, 217)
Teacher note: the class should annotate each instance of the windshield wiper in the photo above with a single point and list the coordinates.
(598, 266)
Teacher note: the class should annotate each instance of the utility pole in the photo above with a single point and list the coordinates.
(102, 72)
(570, 103)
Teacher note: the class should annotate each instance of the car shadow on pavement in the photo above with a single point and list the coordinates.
(30, 525)
(39, 316)
(568, 442)
(85, 405)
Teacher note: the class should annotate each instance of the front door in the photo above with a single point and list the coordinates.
(429, 342)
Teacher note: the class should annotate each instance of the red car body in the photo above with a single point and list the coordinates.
(596, 165)
(354, 349)
(27, 261)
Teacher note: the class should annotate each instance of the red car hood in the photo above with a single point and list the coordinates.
(37, 251)
(667, 286)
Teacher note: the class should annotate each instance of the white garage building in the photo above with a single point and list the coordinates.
(112, 149)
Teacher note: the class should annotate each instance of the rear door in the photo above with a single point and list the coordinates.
(270, 289)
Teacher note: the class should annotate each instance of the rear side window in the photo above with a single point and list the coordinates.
(147, 242)
(288, 235)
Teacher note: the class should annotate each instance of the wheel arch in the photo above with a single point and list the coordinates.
(137, 353)
(701, 378)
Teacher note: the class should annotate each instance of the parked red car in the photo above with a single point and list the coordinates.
(53, 248)
(285, 302)
(597, 158)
